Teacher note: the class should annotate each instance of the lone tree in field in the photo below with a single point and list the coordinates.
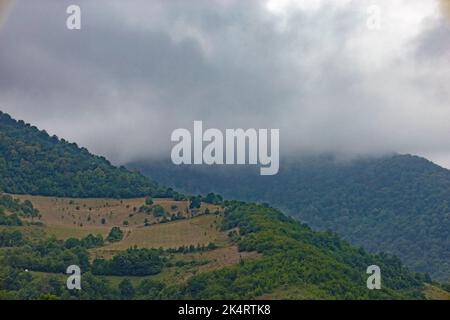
(195, 202)
(148, 201)
(115, 235)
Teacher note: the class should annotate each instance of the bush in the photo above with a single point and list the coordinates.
(158, 211)
(148, 201)
(115, 235)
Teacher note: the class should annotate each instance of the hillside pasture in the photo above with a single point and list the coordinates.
(70, 217)
(200, 230)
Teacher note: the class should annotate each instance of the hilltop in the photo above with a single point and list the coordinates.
(33, 162)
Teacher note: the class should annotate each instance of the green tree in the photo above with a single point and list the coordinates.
(126, 289)
(115, 235)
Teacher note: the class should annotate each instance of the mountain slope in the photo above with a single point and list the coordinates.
(398, 204)
(289, 255)
(32, 162)
(289, 261)
(319, 265)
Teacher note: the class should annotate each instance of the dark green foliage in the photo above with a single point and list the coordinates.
(9, 220)
(158, 211)
(32, 162)
(133, 262)
(47, 256)
(191, 248)
(150, 289)
(18, 284)
(115, 235)
(296, 256)
(126, 289)
(88, 242)
(23, 209)
(11, 238)
(179, 197)
(145, 209)
(148, 201)
(397, 204)
(195, 202)
(213, 198)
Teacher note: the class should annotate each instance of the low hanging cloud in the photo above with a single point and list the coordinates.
(140, 69)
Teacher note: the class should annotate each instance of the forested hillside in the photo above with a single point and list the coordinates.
(398, 204)
(293, 262)
(295, 258)
(32, 162)
(173, 248)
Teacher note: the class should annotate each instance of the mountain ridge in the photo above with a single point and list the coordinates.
(33, 162)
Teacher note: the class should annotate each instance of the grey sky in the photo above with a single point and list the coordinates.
(139, 69)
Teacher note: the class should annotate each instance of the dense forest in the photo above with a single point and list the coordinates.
(398, 204)
(293, 257)
(32, 162)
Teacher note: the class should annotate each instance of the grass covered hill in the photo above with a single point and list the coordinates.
(32, 162)
(397, 204)
(256, 252)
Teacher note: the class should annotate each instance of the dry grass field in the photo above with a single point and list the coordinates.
(66, 217)
(434, 293)
(219, 258)
(199, 230)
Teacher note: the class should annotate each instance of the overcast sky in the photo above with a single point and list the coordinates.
(312, 68)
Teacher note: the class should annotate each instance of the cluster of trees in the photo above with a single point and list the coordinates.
(11, 238)
(22, 208)
(54, 256)
(213, 198)
(9, 220)
(12, 209)
(157, 210)
(49, 255)
(15, 206)
(132, 262)
(88, 242)
(18, 284)
(189, 249)
(168, 193)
